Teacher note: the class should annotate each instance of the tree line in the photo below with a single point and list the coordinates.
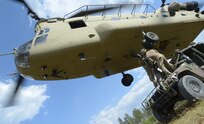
(138, 117)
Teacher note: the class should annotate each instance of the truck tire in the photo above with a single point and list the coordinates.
(191, 87)
(162, 116)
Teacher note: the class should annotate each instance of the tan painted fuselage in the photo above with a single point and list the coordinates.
(105, 46)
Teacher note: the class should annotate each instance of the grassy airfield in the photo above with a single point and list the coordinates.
(190, 114)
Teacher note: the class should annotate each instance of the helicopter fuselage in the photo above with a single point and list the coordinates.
(94, 45)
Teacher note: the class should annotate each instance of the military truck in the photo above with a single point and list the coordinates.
(185, 83)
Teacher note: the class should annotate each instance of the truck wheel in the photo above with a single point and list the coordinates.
(163, 115)
(191, 87)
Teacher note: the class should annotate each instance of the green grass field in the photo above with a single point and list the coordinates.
(193, 114)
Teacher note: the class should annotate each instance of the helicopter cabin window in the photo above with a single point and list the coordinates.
(41, 39)
(77, 24)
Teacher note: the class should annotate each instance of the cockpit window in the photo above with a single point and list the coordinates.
(42, 36)
(22, 55)
(43, 31)
(47, 30)
(41, 39)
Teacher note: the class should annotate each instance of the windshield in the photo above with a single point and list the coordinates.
(22, 55)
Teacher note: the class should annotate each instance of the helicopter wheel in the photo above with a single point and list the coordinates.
(127, 80)
(148, 45)
(150, 39)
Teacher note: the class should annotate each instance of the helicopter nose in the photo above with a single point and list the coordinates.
(22, 54)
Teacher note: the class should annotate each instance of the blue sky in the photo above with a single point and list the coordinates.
(79, 101)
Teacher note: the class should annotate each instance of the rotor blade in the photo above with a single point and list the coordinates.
(93, 11)
(19, 82)
(30, 11)
(163, 3)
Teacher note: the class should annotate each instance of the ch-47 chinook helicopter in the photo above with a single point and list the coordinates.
(82, 44)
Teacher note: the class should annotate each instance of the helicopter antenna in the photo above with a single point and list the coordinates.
(7, 54)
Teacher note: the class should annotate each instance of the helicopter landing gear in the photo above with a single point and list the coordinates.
(150, 39)
(127, 79)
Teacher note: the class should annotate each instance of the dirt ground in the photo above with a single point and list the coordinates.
(193, 114)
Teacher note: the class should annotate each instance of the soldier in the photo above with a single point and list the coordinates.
(151, 58)
(159, 59)
(149, 69)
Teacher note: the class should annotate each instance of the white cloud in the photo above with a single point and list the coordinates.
(29, 101)
(132, 99)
